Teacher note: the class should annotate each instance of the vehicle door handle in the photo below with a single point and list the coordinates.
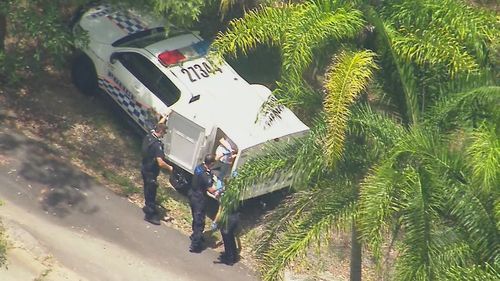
(136, 87)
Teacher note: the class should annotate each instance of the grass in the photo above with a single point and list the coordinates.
(127, 186)
(3, 245)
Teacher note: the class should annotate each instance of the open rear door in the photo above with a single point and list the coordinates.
(183, 141)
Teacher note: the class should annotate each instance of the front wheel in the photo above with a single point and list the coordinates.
(84, 75)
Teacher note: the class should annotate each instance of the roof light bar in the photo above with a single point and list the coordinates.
(171, 57)
(195, 50)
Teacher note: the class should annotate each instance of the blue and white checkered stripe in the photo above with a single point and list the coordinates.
(127, 23)
(102, 10)
(124, 21)
(126, 100)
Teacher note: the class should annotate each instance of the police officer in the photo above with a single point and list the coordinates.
(228, 230)
(202, 181)
(153, 158)
(230, 255)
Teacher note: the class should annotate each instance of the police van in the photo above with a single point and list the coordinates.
(152, 70)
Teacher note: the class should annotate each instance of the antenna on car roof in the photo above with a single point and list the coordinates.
(194, 98)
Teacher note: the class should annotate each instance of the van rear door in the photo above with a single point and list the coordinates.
(184, 141)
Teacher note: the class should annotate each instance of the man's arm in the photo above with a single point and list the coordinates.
(164, 117)
(212, 189)
(162, 164)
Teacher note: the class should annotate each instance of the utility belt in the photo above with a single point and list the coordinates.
(196, 193)
(149, 177)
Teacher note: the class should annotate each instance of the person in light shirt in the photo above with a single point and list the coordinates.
(225, 155)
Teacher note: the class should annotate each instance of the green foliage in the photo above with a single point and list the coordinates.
(445, 31)
(303, 158)
(483, 157)
(297, 30)
(7, 64)
(3, 249)
(441, 200)
(466, 108)
(309, 222)
(180, 13)
(427, 185)
(346, 79)
(379, 130)
(431, 47)
(3, 245)
(486, 272)
(404, 72)
(40, 29)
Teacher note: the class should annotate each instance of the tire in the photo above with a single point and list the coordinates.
(77, 14)
(180, 180)
(84, 75)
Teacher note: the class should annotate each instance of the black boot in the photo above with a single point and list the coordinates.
(152, 218)
(195, 250)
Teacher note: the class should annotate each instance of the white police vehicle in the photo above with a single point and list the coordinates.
(150, 71)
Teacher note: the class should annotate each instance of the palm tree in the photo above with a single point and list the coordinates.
(312, 159)
(409, 39)
(439, 201)
(297, 31)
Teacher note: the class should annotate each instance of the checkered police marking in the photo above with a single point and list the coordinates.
(127, 23)
(121, 95)
(101, 11)
(124, 21)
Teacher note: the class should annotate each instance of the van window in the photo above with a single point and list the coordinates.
(150, 76)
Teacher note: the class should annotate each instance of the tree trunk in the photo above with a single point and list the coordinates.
(3, 31)
(355, 254)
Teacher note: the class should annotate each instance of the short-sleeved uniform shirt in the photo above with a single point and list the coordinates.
(202, 180)
(152, 147)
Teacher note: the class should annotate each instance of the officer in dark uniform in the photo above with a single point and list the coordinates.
(230, 255)
(202, 181)
(153, 158)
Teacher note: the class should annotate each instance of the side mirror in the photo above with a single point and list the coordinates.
(194, 98)
(113, 58)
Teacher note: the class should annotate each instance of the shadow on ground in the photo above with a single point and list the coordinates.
(60, 187)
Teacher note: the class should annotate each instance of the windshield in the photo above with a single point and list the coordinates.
(147, 37)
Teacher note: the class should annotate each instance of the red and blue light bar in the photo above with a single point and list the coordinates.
(183, 54)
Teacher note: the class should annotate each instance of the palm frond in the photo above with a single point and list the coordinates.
(473, 106)
(291, 209)
(297, 29)
(483, 272)
(432, 47)
(327, 212)
(421, 205)
(484, 158)
(256, 170)
(377, 206)
(310, 29)
(389, 182)
(449, 249)
(496, 212)
(380, 130)
(346, 79)
(302, 158)
(299, 96)
(476, 221)
(456, 20)
(265, 26)
(405, 71)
